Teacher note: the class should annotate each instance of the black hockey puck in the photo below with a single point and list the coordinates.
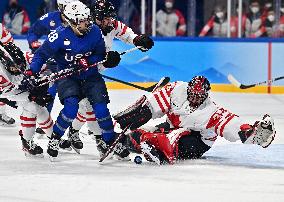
(138, 159)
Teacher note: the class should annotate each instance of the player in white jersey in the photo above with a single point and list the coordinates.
(104, 15)
(5, 37)
(196, 122)
(21, 92)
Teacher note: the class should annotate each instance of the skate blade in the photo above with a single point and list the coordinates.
(66, 149)
(52, 159)
(122, 159)
(7, 125)
(78, 151)
(110, 156)
(28, 155)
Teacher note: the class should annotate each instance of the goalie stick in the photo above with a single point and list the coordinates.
(236, 83)
(111, 148)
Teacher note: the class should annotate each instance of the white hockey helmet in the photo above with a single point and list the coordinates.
(63, 3)
(75, 13)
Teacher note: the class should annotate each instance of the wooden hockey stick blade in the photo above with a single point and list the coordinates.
(163, 81)
(233, 80)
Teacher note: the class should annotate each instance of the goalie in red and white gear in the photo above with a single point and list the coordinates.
(5, 37)
(104, 16)
(195, 123)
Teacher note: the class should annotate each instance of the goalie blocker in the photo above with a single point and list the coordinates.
(137, 114)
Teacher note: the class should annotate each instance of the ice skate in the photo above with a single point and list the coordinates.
(73, 137)
(150, 153)
(31, 149)
(6, 120)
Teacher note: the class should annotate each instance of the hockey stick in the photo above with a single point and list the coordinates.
(161, 83)
(148, 89)
(236, 83)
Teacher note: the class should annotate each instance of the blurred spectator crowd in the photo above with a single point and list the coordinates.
(259, 18)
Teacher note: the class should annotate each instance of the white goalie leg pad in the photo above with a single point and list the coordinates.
(264, 132)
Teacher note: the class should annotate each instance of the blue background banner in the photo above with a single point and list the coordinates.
(183, 58)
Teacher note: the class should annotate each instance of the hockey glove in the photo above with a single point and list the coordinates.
(34, 46)
(112, 59)
(16, 54)
(40, 96)
(143, 41)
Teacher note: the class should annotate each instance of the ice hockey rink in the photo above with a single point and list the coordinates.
(228, 172)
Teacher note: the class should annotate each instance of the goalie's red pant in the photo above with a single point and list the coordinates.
(176, 144)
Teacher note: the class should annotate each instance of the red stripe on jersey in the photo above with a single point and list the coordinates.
(83, 121)
(23, 118)
(159, 103)
(45, 121)
(91, 119)
(124, 30)
(223, 126)
(47, 127)
(115, 25)
(90, 113)
(165, 100)
(28, 125)
(80, 116)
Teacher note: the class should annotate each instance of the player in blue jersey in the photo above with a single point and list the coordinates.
(79, 44)
(42, 27)
(46, 24)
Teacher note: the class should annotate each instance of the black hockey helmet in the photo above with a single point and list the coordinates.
(102, 9)
(198, 90)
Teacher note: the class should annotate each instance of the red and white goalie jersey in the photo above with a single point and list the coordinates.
(208, 118)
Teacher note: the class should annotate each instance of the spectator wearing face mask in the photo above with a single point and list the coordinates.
(281, 24)
(16, 18)
(269, 24)
(267, 6)
(218, 24)
(254, 23)
(170, 21)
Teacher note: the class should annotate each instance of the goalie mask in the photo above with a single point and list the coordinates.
(78, 17)
(197, 91)
(104, 14)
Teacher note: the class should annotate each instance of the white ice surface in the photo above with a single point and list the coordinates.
(228, 172)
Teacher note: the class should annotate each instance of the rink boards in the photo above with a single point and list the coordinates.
(249, 60)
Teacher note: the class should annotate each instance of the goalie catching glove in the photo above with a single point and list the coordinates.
(144, 42)
(136, 115)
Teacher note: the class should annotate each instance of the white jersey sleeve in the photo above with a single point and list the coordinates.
(123, 32)
(5, 35)
(160, 101)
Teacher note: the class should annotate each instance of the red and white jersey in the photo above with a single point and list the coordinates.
(208, 118)
(121, 32)
(5, 35)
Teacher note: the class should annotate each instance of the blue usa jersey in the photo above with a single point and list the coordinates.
(66, 47)
(44, 25)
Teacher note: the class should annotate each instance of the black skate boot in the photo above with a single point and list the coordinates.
(53, 146)
(121, 151)
(73, 137)
(40, 131)
(30, 148)
(6, 119)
